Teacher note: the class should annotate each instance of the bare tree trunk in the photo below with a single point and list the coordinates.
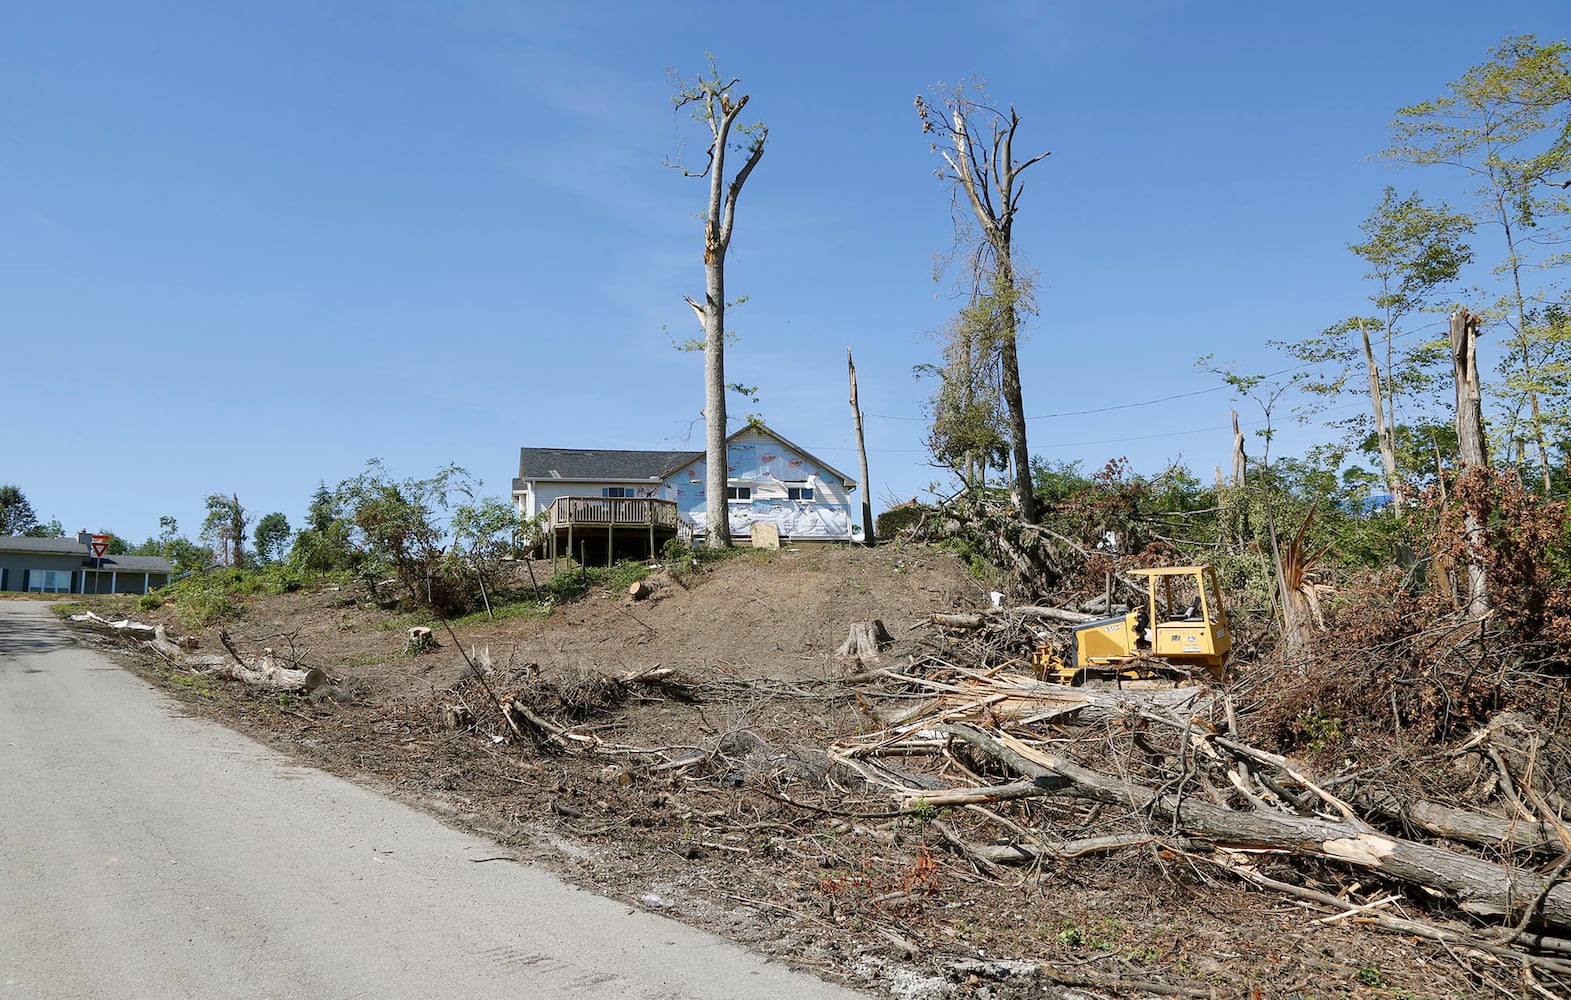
(861, 453)
(717, 507)
(1515, 260)
(1014, 400)
(1470, 442)
(719, 111)
(1383, 430)
(1240, 462)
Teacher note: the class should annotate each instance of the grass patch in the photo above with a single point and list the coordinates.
(363, 660)
(200, 685)
(510, 609)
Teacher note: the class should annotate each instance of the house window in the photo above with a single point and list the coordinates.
(616, 492)
(799, 492)
(49, 581)
(739, 493)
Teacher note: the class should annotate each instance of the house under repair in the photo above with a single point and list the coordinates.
(606, 505)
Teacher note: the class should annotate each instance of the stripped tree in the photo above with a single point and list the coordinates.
(711, 102)
(976, 141)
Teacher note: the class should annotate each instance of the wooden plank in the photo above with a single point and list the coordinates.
(765, 535)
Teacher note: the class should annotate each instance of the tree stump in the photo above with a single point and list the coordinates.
(419, 640)
(865, 641)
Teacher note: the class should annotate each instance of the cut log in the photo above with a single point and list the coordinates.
(639, 590)
(268, 675)
(265, 673)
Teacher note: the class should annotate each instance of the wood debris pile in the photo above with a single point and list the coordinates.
(1043, 772)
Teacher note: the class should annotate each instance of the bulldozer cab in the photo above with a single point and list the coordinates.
(1179, 629)
(1184, 605)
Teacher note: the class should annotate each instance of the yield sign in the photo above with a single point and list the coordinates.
(99, 548)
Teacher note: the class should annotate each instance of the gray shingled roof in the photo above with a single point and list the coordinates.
(51, 546)
(597, 465)
(135, 564)
(72, 547)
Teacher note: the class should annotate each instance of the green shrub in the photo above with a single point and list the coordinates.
(204, 598)
(896, 519)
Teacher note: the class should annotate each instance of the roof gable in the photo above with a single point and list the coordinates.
(685, 460)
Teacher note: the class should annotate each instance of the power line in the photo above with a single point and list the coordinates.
(1162, 399)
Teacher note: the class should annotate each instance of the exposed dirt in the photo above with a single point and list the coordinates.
(705, 792)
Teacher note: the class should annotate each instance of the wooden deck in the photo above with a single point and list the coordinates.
(603, 529)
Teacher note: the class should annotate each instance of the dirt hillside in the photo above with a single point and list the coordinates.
(676, 752)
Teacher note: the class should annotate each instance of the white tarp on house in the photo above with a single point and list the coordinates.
(764, 473)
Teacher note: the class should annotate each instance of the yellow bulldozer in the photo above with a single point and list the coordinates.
(1179, 633)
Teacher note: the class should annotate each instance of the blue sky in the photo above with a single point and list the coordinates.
(248, 246)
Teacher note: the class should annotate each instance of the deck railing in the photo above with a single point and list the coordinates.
(602, 512)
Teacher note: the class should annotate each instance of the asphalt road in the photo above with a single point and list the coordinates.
(144, 853)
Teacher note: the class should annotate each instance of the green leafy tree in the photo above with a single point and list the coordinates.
(325, 544)
(183, 554)
(405, 526)
(713, 105)
(271, 536)
(968, 429)
(16, 513)
(52, 529)
(485, 531)
(1412, 249)
(1503, 123)
(975, 140)
(224, 528)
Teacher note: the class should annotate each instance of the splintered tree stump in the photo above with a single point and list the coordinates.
(865, 641)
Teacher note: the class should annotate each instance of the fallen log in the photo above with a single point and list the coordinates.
(1477, 886)
(152, 636)
(269, 676)
(984, 618)
(1466, 825)
(264, 672)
